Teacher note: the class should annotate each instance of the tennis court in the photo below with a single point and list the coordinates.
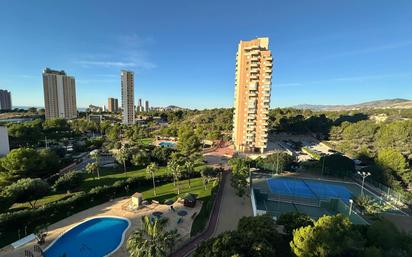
(316, 190)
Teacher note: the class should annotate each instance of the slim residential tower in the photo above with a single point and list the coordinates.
(59, 95)
(252, 95)
(5, 100)
(146, 105)
(127, 81)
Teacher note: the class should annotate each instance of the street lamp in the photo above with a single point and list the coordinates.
(350, 207)
(363, 174)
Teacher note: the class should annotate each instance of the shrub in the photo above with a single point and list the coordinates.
(68, 181)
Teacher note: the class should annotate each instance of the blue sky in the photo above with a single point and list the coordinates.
(183, 52)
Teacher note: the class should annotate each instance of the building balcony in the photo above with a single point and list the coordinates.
(254, 76)
(254, 71)
(254, 64)
(254, 58)
(253, 86)
(265, 111)
(254, 53)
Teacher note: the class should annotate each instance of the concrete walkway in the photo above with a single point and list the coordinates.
(232, 209)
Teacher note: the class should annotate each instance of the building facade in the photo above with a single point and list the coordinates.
(252, 95)
(5, 100)
(4, 141)
(127, 84)
(113, 105)
(59, 95)
(140, 105)
(146, 105)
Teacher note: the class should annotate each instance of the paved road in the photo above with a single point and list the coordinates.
(192, 245)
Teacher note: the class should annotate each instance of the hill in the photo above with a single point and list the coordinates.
(397, 103)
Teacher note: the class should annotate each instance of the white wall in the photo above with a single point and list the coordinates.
(4, 141)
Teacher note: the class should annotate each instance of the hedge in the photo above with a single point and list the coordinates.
(31, 219)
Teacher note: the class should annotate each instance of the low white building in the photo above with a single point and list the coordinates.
(4, 141)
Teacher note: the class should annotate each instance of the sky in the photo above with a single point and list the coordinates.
(183, 51)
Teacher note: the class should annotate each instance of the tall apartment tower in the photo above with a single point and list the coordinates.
(113, 104)
(127, 81)
(5, 100)
(139, 105)
(59, 95)
(252, 95)
(146, 105)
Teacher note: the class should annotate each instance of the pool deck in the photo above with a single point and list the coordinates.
(117, 208)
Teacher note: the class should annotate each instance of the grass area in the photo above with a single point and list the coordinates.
(109, 176)
(147, 141)
(311, 153)
(40, 202)
(169, 191)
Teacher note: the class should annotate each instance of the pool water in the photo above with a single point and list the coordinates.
(96, 237)
(168, 144)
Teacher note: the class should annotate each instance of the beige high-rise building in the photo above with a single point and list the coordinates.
(252, 95)
(59, 95)
(127, 81)
(113, 105)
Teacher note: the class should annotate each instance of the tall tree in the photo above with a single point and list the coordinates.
(188, 144)
(27, 190)
(189, 169)
(92, 168)
(329, 236)
(95, 155)
(151, 170)
(122, 156)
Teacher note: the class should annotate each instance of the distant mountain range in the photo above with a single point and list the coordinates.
(397, 103)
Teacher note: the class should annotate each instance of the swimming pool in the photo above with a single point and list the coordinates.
(168, 144)
(95, 237)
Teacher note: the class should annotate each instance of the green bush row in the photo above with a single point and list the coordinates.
(31, 219)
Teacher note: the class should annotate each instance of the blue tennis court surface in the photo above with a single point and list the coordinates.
(319, 190)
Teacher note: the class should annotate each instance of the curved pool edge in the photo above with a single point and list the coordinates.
(88, 219)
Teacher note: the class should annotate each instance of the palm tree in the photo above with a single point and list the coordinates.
(151, 170)
(171, 166)
(122, 156)
(92, 168)
(151, 240)
(178, 173)
(96, 157)
(189, 168)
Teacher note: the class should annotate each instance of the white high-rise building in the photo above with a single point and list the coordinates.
(4, 141)
(127, 83)
(59, 95)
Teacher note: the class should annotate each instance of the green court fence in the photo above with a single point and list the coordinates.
(338, 206)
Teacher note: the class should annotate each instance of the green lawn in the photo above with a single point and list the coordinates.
(109, 176)
(40, 202)
(147, 141)
(169, 191)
